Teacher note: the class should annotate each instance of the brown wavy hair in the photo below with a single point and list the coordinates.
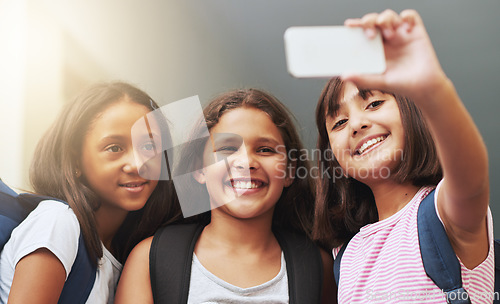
(55, 161)
(343, 204)
(294, 209)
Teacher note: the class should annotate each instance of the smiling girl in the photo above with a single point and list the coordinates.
(88, 159)
(241, 167)
(390, 153)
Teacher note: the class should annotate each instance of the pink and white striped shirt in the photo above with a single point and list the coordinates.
(382, 264)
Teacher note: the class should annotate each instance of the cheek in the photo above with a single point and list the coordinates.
(336, 145)
(279, 169)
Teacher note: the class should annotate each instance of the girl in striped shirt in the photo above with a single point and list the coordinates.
(387, 141)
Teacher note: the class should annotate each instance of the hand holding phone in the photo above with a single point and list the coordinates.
(327, 51)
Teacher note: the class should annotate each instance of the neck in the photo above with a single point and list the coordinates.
(236, 234)
(390, 197)
(109, 221)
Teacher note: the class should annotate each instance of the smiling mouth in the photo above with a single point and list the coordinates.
(132, 185)
(369, 144)
(245, 184)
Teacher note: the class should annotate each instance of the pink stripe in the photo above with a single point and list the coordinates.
(383, 264)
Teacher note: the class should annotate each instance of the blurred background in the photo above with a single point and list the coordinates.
(52, 49)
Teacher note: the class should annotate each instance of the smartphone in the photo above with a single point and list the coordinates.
(326, 51)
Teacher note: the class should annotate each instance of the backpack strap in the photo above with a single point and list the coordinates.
(81, 278)
(170, 260)
(336, 263)
(304, 267)
(439, 258)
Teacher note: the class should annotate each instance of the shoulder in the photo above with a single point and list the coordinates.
(141, 250)
(134, 285)
(51, 212)
(53, 226)
(50, 218)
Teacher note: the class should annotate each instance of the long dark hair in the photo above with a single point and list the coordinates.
(294, 210)
(343, 204)
(55, 162)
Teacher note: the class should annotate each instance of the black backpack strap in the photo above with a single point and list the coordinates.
(336, 263)
(304, 267)
(439, 258)
(170, 260)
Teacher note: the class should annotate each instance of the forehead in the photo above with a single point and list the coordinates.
(249, 123)
(119, 117)
(349, 93)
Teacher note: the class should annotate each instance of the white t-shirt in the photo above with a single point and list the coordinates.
(207, 288)
(54, 226)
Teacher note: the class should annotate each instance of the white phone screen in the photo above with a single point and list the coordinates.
(326, 51)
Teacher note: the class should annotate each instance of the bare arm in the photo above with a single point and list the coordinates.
(413, 70)
(39, 278)
(135, 285)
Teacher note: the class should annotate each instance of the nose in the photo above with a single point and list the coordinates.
(245, 160)
(130, 163)
(357, 122)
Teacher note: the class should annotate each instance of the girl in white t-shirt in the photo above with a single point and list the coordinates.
(241, 163)
(107, 168)
(384, 154)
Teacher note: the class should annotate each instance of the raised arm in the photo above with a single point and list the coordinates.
(413, 70)
(135, 285)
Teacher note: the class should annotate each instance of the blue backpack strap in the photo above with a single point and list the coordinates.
(81, 278)
(439, 258)
(336, 263)
(6, 189)
(304, 267)
(12, 212)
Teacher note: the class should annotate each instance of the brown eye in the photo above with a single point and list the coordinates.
(339, 123)
(114, 149)
(375, 104)
(266, 150)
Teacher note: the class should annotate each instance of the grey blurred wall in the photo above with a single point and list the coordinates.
(239, 43)
(178, 48)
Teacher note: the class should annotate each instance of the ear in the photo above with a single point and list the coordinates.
(77, 171)
(199, 176)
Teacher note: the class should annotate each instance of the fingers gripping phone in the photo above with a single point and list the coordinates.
(326, 51)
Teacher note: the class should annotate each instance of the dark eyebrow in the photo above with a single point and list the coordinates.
(364, 93)
(267, 140)
(112, 137)
(334, 109)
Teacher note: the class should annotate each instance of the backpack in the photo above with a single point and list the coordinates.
(440, 261)
(171, 256)
(14, 208)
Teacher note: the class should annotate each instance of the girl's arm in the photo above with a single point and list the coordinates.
(413, 70)
(39, 278)
(135, 285)
(329, 295)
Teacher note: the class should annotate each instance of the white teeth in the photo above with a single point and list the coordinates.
(132, 185)
(244, 185)
(370, 143)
